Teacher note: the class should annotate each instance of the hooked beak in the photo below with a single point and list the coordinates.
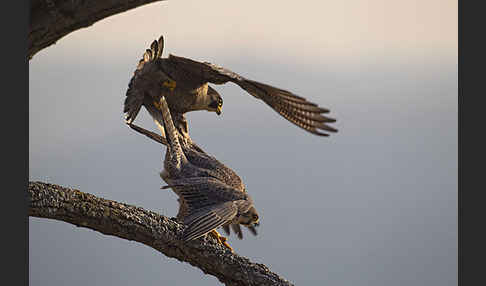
(219, 109)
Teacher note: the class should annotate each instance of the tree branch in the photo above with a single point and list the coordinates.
(51, 20)
(159, 232)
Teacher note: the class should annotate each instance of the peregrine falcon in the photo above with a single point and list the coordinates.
(184, 83)
(209, 166)
(211, 195)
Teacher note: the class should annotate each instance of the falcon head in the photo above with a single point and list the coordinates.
(215, 101)
(250, 218)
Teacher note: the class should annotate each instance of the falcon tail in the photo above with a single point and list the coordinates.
(171, 133)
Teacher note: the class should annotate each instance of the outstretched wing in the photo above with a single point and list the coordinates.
(206, 219)
(295, 109)
(210, 203)
(134, 96)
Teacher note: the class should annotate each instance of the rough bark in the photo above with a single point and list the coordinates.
(51, 20)
(159, 232)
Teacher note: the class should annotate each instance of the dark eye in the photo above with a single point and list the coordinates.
(220, 101)
(255, 216)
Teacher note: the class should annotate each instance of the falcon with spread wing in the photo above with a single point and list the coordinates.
(211, 195)
(205, 165)
(185, 85)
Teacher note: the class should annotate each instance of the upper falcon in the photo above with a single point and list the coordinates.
(184, 84)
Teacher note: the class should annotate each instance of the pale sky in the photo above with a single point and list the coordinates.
(350, 30)
(375, 204)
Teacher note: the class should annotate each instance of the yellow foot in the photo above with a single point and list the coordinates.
(157, 105)
(221, 239)
(170, 84)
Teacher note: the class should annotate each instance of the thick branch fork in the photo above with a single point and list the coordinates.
(147, 227)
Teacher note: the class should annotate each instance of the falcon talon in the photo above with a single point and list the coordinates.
(221, 239)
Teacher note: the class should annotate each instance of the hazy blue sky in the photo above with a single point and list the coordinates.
(375, 204)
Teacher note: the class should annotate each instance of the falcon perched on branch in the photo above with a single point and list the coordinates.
(205, 165)
(211, 195)
(184, 83)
